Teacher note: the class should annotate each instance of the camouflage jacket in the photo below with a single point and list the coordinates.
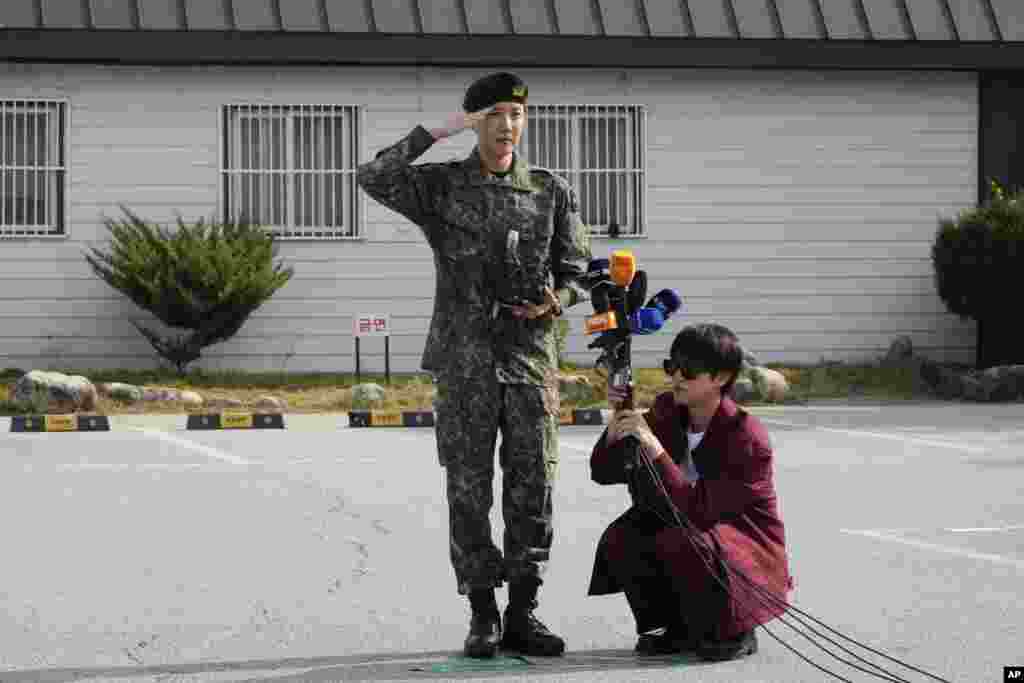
(495, 239)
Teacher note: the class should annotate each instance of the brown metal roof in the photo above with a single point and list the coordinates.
(506, 29)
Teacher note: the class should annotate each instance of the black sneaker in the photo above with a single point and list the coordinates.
(484, 635)
(526, 633)
(672, 641)
(733, 648)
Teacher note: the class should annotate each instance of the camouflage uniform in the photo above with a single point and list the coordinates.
(495, 239)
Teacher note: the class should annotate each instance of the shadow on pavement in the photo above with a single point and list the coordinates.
(441, 665)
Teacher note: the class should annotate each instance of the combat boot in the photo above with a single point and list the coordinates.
(524, 632)
(484, 625)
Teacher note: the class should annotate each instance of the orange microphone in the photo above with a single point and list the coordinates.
(622, 268)
(602, 322)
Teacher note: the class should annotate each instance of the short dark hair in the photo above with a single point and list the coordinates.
(711, 346)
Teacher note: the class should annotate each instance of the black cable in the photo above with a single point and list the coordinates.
(768, 599)
(693, 535)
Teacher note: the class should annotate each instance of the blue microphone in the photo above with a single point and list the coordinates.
(667, 301)
(646, 320)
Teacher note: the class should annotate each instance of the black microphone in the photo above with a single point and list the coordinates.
(637, 291)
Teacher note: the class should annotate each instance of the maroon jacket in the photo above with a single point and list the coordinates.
(733, 502)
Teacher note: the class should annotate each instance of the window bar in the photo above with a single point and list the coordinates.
(327, 177)
(307, 167)
(3, 164)
(39, 198)
(319, 165)
(254, 160)
(240, 157)
(346, 120)
(322, 184)
(599, 153)
(316, 150)
(642, 186)
(246, 165)
(39, 165)
(61, 199)
(19, 146)
(47, 169)
(29, 141)
(327, 180)
(306, 133)
(265, 165)
(270, 169)
(340, 200)
(51, 163)
(32, 138)
(234, 163)
(273, 171)
(267, 170)
(607, 123)
(290, 162)
(309, 128)
(300, 163)
(616, 165)
(259, 172)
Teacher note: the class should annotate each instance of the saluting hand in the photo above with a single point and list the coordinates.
(456, 123)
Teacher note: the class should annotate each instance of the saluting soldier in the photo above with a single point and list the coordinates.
(509, 251)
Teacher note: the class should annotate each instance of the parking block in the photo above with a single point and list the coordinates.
(586, 416)
(389, 418)
(236, 421)
(60, 423)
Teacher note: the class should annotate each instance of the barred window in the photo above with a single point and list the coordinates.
(599, 149)
(292, 169)
(33, 168)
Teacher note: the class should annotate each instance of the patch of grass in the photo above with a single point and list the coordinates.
(332, 392)
(838, 380)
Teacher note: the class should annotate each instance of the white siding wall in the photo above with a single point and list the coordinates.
(796, 208)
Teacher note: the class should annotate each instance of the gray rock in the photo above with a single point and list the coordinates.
(999, 383)
(191, 398)
(75, 390)
(367, 392)
(900, 351)
(128, 393)
(270, 404)
(160, 394)
(773, 384)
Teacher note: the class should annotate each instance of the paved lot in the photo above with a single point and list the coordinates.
(319, 553)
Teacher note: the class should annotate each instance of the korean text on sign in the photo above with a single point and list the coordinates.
(372, 325)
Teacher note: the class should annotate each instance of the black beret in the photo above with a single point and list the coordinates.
(489, 90)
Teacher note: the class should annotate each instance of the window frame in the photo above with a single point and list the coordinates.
(60, 109)
(635, 117)
(353, 118)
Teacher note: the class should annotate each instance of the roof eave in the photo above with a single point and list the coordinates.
(258, 48)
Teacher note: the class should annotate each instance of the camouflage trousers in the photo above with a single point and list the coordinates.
(470, 413)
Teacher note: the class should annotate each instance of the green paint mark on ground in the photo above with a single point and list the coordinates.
(460, 664)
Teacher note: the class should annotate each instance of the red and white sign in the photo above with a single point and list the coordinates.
(371, 325)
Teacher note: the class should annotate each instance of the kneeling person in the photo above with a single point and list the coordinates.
(717, 465)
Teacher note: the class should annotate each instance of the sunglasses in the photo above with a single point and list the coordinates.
(690, 370)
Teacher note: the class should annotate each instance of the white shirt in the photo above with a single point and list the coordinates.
(689, 470)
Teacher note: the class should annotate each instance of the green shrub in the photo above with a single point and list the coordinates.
(978, 257)
(204, 278)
